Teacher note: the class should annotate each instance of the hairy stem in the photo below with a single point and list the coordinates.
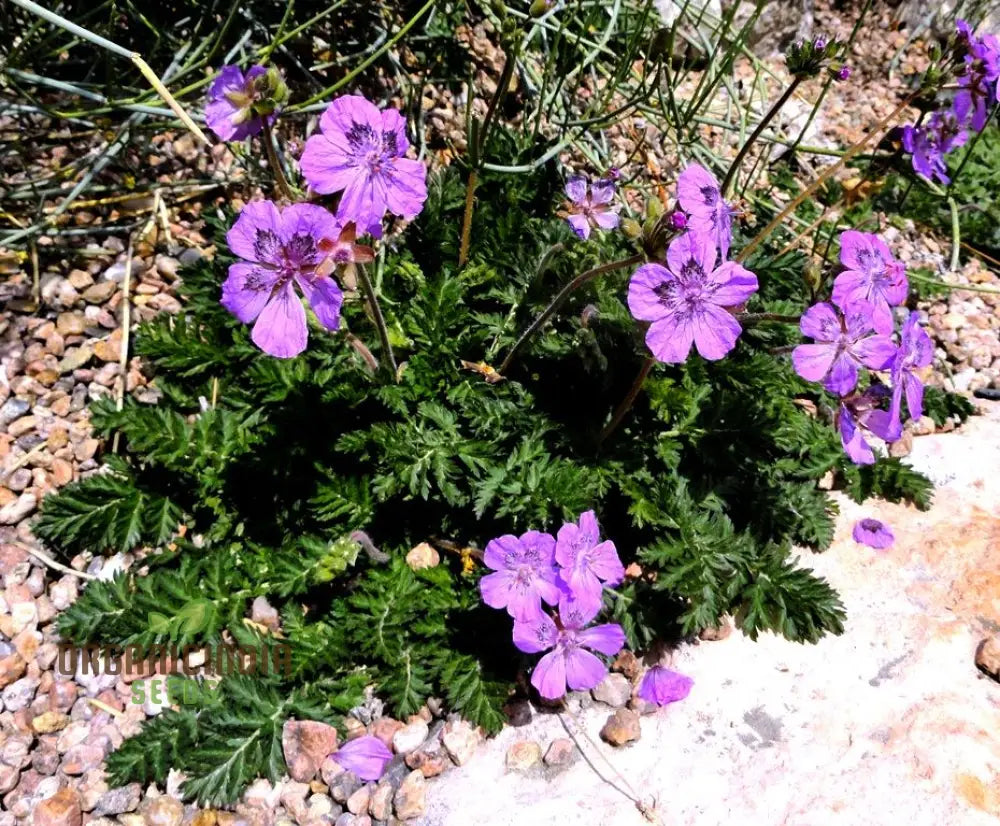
(756, 318)
(470, 200)
(272, 158)
(383, 331)
(560, 299)
(764, 121)
(628, 401)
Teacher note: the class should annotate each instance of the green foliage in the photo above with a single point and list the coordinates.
(942, 406)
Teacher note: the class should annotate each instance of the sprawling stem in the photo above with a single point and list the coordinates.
(561, 297)
(272, 159)
(764, 121)
(756, 318)
(470, 199)
(629, 400)
(379, 319)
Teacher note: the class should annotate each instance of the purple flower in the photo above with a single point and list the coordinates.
(281, 249)
(661, 686)
(568, 662)
(699, 196)
(843, 344)
(685, 300)
(859, 414)
(843, 73)
(525, 574)
(590, 205)
(819, 44)
(874, 282)
(977, 84)
(873, 533)
(366, 756)
(360, 151)
(230, 111)
(585, 562)
(929, 144)
(915, 351)
(678, 220)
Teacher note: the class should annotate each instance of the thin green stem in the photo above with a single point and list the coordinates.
(560, 299)
(757, 318)
(956, 233)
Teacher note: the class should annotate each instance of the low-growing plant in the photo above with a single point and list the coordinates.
(487, 371)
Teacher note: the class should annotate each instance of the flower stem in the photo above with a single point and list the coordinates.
(756, 318)
(764, 121)
(470, 200)
(560, 299)
(272, 159)
(383, 331)
(628, 401)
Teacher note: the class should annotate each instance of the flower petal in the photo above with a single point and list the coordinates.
(549, 676)
(662, 686)
(715, 332)
(281, 330)
(670, 338)
(495, 588)
(697, 190)
(735, 284)
(820, 322)
(583, 670)
(247, 289)
(366, 756)
(876, 352)
(244, 236)
(644, 292)
(873, 533)
(691, 255)
(608, 638)
(536, 635)
(580, 225)
(395, 124)
(813, 361)
(604, 562)
(326, 166)
(406, 187)
(576, 189)
(503, 553)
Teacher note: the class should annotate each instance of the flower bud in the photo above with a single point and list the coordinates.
(819, 44)
(843, 73)
(269, 91)
(631, 228)
(678, 220)
(539, 7)
(812, 275)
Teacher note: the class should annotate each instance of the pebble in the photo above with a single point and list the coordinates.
(423, 556)
(49, 722)
(614, 690)
(988, 657)
(12, 409)
(460, 740)
(119, 800)
(380, 805)
(410, 737)
(19, 693)
(100, 292)
(621, 727)
(410, 799)
(306, 743)
(162, 811)
(523, 755)
(18, 509)
(358, 802)
(62, 809)
(560, 752)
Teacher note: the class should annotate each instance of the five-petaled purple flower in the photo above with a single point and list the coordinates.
(874, 282)
(861, 413)
(843, 344)
(661, 686)
(360, 151)
(590, 205)
(685, 300)
(699, 196)
(930, 143)
(585, 562)
(915, 351)
(568, 662)
(366, 756)
(873, 533)
(525, 574)
(281, 249)
(231, 98)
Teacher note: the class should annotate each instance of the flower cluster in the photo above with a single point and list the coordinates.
(859, 333)
(359, 152)
(568, 571)
(690, 299)
(947, 129)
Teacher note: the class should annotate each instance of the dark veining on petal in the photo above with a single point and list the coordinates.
(266, 245)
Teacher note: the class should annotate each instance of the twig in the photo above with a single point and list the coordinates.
(272, 158)
(956, 233)
(22, 461)
(51, 563)
(114, 712)
(126, 323)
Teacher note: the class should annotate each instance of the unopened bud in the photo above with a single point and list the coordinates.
(813, 276)
(843, 73)
(819, 44)
(539, 7)
(631, 228)
(654, 209)
(678, 220)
